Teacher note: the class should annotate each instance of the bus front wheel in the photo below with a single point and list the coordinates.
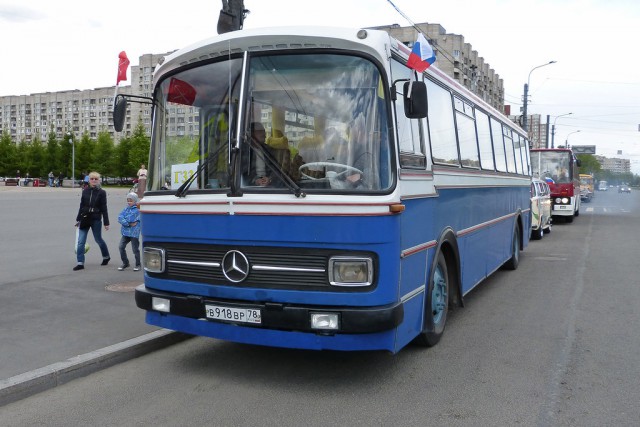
(437, 304)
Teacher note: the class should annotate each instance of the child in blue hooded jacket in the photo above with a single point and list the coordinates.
(129, 218)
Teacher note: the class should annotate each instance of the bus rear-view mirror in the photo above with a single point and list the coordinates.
(415, 100)
(119, 112)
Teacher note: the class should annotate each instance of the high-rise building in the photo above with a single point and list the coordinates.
(27, 117)
(457, 59)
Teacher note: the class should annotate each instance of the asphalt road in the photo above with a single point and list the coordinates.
(554, 343)
(49, 313)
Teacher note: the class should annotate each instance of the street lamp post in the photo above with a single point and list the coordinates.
(566, 142)
(553, 129)
(73, 161)
(526, 96)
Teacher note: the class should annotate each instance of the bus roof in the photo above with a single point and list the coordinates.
(272, 38)
(377, 43)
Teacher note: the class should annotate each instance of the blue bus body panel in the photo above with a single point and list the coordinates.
(366, 234)
(483, 220)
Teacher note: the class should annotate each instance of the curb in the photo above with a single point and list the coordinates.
(24, 385)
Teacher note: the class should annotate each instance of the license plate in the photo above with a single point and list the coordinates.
(233, 314)
(562, 208)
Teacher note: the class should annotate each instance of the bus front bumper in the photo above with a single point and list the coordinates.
(274, 316)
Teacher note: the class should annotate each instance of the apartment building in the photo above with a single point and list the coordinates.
(457, 59)
(615, 164)
(27, 117)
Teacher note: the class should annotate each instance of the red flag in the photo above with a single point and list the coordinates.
(181, 92)
(123, 64)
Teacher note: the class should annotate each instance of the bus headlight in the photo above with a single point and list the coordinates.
(153, 260)
(565, 200)
(350, 271)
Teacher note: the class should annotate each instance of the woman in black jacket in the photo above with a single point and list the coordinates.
(93, 209)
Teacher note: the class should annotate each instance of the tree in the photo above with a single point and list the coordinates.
(64, 157)
(52, 155)
(23, 159)
(38, 159)
(84, 154)
(139, 151)
(588, 164)
(103, 157)
(8, 155)
(122, 166)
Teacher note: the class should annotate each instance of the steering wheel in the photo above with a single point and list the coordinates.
(344, 172)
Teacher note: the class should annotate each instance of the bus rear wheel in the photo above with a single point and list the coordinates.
(513, 262)
(437, 304)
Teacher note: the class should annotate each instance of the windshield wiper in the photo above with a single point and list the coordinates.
(184, 188)
(277, 168)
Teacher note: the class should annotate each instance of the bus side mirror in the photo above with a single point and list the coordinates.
(578, 162)
(415, 100)
(119, 112)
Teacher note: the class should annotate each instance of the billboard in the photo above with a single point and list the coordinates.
(584, 149)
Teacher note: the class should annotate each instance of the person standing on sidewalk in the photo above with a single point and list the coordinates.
(129, 218)
(142, 181)
(93, 207)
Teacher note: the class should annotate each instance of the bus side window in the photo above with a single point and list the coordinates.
(442, 130)
(408, 131)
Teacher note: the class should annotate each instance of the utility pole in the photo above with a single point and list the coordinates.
(526, 96)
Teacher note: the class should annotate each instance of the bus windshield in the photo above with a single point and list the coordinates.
(316, 122)
(552, 165)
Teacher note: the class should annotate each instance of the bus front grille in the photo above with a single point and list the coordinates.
(268, 267)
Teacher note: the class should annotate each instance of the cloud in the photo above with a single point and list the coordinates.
(18, 14)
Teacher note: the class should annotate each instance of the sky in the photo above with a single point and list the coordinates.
(50, 46)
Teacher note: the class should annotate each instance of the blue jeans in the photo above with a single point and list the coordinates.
(135, 246)
(96, 228)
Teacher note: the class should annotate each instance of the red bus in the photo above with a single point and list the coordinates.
(559, 167)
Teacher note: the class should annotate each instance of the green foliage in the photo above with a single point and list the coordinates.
(63, 157)
(8, 155)
(84, 154)
(122, 166)
(139, 148)
(588, 164)
(38, 159)
(52, 155)
(102, 155)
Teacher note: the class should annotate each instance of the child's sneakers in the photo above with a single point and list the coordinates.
(122, 267)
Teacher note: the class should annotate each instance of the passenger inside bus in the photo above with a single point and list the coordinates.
(267, 153)
(254, 164)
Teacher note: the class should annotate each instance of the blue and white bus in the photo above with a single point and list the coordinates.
(377, 198)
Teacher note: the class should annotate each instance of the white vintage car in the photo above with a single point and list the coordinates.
(540, 208)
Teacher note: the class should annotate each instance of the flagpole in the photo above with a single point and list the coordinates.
(413, 24)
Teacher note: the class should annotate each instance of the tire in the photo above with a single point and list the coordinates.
(436, 305)
(512, 263)
(537, 234)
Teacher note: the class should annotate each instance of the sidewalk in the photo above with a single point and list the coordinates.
(56, 323)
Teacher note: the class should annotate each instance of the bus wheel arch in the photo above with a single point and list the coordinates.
(443, 290)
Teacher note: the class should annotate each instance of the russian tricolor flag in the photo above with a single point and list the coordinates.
(422, 55)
